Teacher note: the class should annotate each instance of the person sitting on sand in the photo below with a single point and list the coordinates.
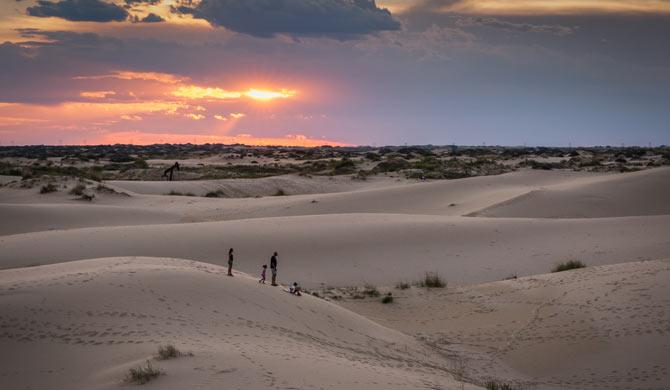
(265, 267)
(230, 262)
(295, 289)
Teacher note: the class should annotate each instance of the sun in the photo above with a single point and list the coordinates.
(267, 95)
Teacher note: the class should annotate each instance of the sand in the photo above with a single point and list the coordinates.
(90, 289)
(82, 325)
(638, 193)
(605, 327)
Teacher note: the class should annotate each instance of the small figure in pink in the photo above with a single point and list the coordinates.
(265, 267)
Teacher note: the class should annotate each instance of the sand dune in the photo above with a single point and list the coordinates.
(351, 249)
(602, 327)
(82, 325)
(245, 188)
(452, 197)
(22, 218)
(639, 193)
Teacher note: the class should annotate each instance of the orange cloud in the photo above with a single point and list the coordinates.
(195, 92)
(97, 94)
(237, 115)
(195, 117)
(261, 94)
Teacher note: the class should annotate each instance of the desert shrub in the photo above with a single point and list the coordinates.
(572, 264)
(87, 197)
(388, 298)
(432, 280)
(280, 192)
(214, 194)
(402, 285)
(344, 166)
(498, 386)
(143, 374)
(371, 291)
(48, 188)
(392, 165)
(78, 190)
(168, 351)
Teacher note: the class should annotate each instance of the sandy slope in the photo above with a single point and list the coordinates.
(602, 327)
(82, 325)
(452, 197)
(351, 249)
(23, 218)
(639, 193)
(244, 188)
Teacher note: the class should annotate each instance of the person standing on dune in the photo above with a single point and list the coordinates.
(230, 262)
(273, 268)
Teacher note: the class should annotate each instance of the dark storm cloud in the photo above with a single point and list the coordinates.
(340, 19)
(152, 18)
(79, 10)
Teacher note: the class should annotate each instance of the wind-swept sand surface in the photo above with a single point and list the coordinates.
(604, 327)
(83, 325)
(245, 188)
(24, 218)
(639, 193)
(352, 249)
(67, 322)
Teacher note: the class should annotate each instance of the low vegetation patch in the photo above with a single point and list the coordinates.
(48, 188)
(388, 298)
(371, 291)
(168, 351)
(280, 192)
(432, 280)
(572, 264)
(499, 386)
(214, 194)
(143, 374)
(78, 190)
(402, 285)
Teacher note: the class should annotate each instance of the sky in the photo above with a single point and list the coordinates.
(337, 72)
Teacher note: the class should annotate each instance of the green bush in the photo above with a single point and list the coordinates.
(572, 264)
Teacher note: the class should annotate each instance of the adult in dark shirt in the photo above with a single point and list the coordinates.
(273, 268)
(230, 262)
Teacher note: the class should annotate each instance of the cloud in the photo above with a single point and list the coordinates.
(79, 10)
(341, 19)
(554, 29)
(195, 117)
(165, 78)
(97, 94)
(152, 18)
(195, 92)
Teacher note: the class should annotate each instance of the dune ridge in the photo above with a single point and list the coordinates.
(82, 325)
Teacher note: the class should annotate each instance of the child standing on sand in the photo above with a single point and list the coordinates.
(265, 267)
